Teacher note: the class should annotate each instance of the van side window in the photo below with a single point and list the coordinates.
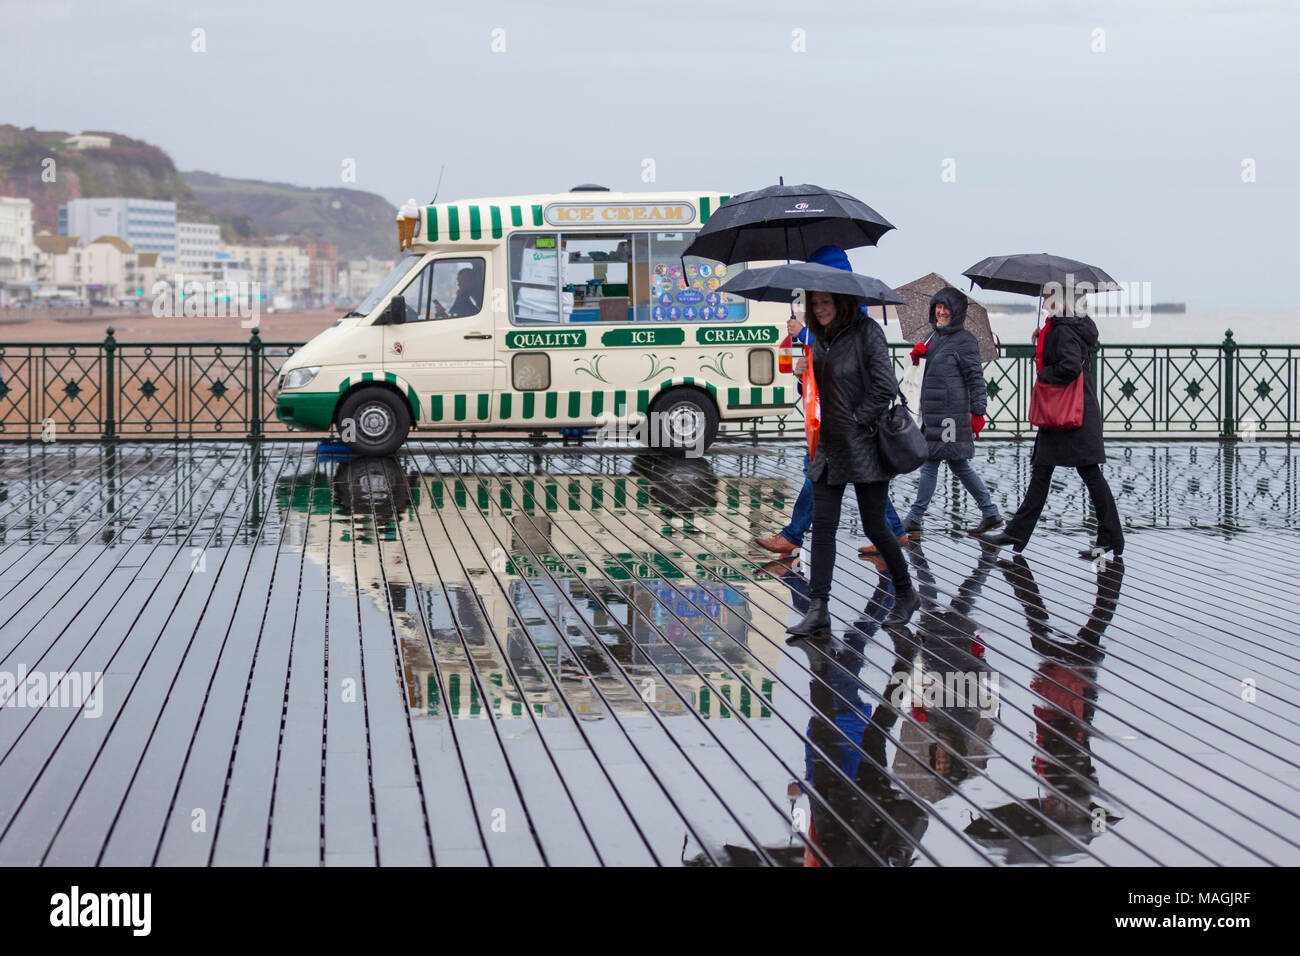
(665, 296)
(616, 277)
(446, 289)
(538, 268)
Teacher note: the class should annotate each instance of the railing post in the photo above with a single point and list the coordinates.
(1228, 426)
(255, 383)
(110, 385)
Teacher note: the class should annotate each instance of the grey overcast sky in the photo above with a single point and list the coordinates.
(1131, 158)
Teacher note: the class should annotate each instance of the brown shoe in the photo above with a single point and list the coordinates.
(867, 550)
(778, 568)
(777, 543)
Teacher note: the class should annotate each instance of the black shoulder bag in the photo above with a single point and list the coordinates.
(899, 443)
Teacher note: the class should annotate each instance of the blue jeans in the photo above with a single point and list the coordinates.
(965, 473)
(802, 516)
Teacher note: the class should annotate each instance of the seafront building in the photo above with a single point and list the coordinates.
(106, 269)
(17, 249)
(149, 225)
(198, 244)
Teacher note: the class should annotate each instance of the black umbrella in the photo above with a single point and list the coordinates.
(780, 283)
(786, 222)
(1029, 273)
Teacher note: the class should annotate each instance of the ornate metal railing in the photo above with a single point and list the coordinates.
(111, 389)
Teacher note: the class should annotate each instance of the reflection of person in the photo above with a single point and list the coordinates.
(1063, 349)
(1065, 684)
(858, 817)
(949, 651)
(953, 400)
(855, 383)
(468, 288)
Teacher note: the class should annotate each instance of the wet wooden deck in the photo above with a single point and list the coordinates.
(507, 657)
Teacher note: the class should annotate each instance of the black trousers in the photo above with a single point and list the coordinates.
(827, 500)
(1110, 534)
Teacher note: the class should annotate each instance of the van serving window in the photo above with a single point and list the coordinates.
(616, 277)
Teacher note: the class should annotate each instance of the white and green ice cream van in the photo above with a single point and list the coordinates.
(543, 313)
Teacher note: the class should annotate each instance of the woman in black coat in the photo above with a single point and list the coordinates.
(1064, 347)
(953, 401)
(855, 385)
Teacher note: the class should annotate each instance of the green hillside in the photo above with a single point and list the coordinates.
(360, 223)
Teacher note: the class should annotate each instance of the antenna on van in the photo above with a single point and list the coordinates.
(438, 187)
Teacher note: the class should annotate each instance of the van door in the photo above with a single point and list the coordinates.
(443, 350)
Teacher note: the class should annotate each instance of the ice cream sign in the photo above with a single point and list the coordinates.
(567, 214)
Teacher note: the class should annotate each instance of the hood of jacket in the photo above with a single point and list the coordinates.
(956, 303)
(837, 258)
(832, 256)
(1082, 325)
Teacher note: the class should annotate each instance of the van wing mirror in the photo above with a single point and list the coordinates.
(396, 314)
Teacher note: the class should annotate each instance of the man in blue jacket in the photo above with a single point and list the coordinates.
(790, 538)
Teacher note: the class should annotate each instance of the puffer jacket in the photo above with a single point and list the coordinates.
(952, 389)
(855, 384)
(1067, 351)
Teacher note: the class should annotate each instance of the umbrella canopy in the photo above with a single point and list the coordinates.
(1030, 273)
(780, 283)
(914, 314)
(786, 222)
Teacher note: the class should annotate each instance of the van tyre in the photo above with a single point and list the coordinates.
(381, 420)
(678, 417)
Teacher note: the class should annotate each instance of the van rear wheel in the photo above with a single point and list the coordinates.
(683, 421)
(379, 421)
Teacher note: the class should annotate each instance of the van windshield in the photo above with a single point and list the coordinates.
(380, 292)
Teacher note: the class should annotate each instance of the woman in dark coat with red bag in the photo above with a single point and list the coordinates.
(1064, 347)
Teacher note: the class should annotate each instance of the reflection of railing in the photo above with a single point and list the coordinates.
(110, 389)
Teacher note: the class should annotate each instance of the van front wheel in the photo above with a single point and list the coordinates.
(374, 421)
(683, 421)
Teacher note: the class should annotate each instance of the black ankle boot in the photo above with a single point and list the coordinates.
(905, 605)
(818, 618)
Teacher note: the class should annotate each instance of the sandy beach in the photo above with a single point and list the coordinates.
(18, 326)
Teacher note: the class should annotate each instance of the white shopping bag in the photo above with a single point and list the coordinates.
(911, 389)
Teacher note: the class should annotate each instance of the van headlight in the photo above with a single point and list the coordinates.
(299, 377)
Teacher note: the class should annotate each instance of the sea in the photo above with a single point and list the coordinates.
(1192, 327)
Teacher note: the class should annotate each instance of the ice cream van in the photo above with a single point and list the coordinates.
(544, 313)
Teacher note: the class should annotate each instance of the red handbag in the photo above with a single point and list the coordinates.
(1057, 408)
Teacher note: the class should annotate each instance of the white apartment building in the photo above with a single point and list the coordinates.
(106, 270)
(149, 225)
(197, 245)
(17, 249)
(276, 269)
(363, 275)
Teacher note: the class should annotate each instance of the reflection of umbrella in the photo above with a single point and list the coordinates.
(786, 222)
(992, 828)
(914, 313)
(780, 283)
(1030, 272)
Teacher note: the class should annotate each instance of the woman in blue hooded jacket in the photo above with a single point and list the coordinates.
(953, 402)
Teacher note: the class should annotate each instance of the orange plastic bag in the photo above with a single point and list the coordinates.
(812, 406)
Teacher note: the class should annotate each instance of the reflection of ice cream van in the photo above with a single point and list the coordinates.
(537, 313)
(485, 609)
